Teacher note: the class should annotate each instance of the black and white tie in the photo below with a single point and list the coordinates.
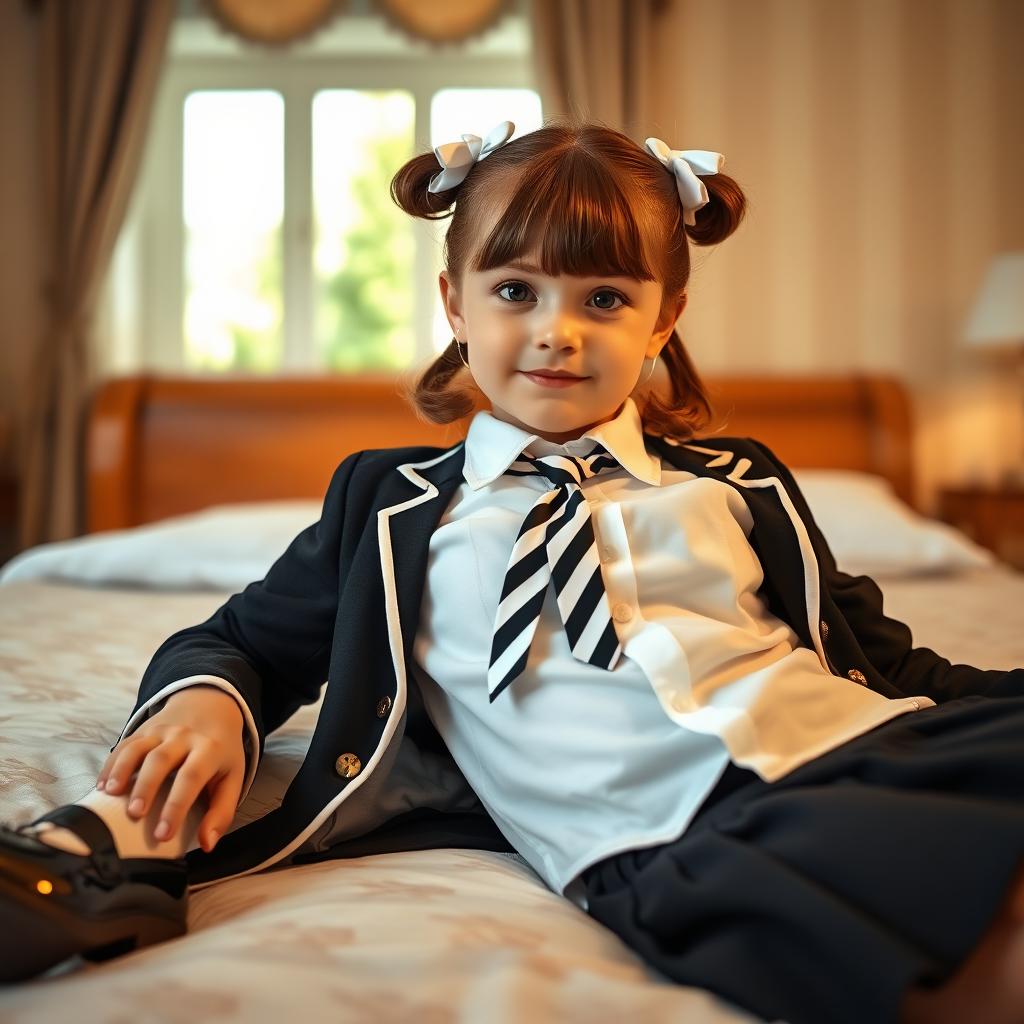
(556, 544)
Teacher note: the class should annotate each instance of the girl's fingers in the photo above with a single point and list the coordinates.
(189, 782)
(157, 765)
(124, 761)
(221, 811)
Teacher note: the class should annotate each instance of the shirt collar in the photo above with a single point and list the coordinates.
(492, 445)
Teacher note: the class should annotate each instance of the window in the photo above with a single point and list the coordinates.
(233, 205)
(262, 236)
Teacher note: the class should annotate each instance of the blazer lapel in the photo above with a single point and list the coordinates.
(403, 534)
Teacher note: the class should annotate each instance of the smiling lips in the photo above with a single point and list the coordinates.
(552, 378)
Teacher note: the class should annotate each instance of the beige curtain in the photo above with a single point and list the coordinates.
(598, 59)
(99, 64)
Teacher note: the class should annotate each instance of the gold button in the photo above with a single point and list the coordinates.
(857, 676)
(622, 613)
(824, 629)
(348, 765)
(382, 706)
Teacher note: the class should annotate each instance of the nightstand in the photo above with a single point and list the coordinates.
(991, 516)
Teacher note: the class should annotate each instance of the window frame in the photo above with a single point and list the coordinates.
(142, 305)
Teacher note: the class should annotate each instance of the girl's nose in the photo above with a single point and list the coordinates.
(561, 335)
(557, 345)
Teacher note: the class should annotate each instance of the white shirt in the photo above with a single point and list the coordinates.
(575, 762)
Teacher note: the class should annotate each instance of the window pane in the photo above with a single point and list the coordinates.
(233, 206)
(363, 242)
(454, 112)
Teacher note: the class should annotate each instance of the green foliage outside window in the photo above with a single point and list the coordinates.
(262, 350)
(364, 312)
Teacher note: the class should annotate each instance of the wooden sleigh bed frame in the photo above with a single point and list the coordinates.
(160, 446)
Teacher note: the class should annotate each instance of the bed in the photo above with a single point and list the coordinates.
(194, 486)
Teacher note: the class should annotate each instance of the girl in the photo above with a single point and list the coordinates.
(632, 642)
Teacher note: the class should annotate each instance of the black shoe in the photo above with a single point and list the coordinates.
(55, 904)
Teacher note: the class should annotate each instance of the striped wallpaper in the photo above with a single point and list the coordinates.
(880, 145)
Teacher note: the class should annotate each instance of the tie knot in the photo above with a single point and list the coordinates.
(563, 470)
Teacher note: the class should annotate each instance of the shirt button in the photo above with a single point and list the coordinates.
(383, 705)
(348, 766)
(622, 613)
(857, 676)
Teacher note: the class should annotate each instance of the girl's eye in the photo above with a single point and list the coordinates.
(519, 285)
(613, 295)
(511, 285)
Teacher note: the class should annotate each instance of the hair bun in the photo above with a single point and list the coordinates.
(721, 216)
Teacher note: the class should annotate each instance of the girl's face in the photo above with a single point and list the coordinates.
(522, 326)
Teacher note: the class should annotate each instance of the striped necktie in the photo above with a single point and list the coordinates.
(555, 543)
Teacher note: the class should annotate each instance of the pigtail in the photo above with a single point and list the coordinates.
(409, 189)
(437, 394)
(687, 410)
(725, 209)
(441, 393)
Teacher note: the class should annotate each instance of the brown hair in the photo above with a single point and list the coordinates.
(593, 202)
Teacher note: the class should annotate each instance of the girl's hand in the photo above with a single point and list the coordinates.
(198, 732)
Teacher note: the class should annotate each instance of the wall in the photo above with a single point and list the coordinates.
(879, 144)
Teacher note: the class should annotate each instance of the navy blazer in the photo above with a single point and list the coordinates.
(341, 607)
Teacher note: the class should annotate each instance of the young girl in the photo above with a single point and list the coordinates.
(590, 635)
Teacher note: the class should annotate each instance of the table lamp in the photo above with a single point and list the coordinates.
(996, 322)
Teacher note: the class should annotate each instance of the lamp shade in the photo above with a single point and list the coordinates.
(997, 317)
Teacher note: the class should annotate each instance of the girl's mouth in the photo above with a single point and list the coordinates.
(552, 382)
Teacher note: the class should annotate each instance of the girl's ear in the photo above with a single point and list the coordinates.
(452, 303)
(660, 337)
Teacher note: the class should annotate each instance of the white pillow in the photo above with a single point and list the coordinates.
(223, 547)
(872, 532)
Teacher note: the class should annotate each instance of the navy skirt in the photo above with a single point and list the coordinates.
(822, 897)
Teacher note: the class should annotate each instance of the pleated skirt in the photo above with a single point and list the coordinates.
(820, 898)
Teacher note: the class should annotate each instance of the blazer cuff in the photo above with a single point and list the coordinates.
(250, 736)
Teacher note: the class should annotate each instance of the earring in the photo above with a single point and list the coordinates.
(458, 348)
(654, 362)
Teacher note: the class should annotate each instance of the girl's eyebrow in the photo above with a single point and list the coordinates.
(529, 268)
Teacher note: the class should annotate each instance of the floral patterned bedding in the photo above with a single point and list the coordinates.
(435, 936)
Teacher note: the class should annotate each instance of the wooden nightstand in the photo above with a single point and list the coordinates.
(991, 516)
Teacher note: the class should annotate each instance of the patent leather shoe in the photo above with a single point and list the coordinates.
(55, 904)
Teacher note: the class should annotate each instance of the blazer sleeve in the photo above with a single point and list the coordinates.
(269, 646)
(887, 642)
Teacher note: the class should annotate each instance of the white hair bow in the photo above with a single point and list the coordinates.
(457, 158)
(686, 164)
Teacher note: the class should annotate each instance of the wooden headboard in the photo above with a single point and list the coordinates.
(158, 446)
